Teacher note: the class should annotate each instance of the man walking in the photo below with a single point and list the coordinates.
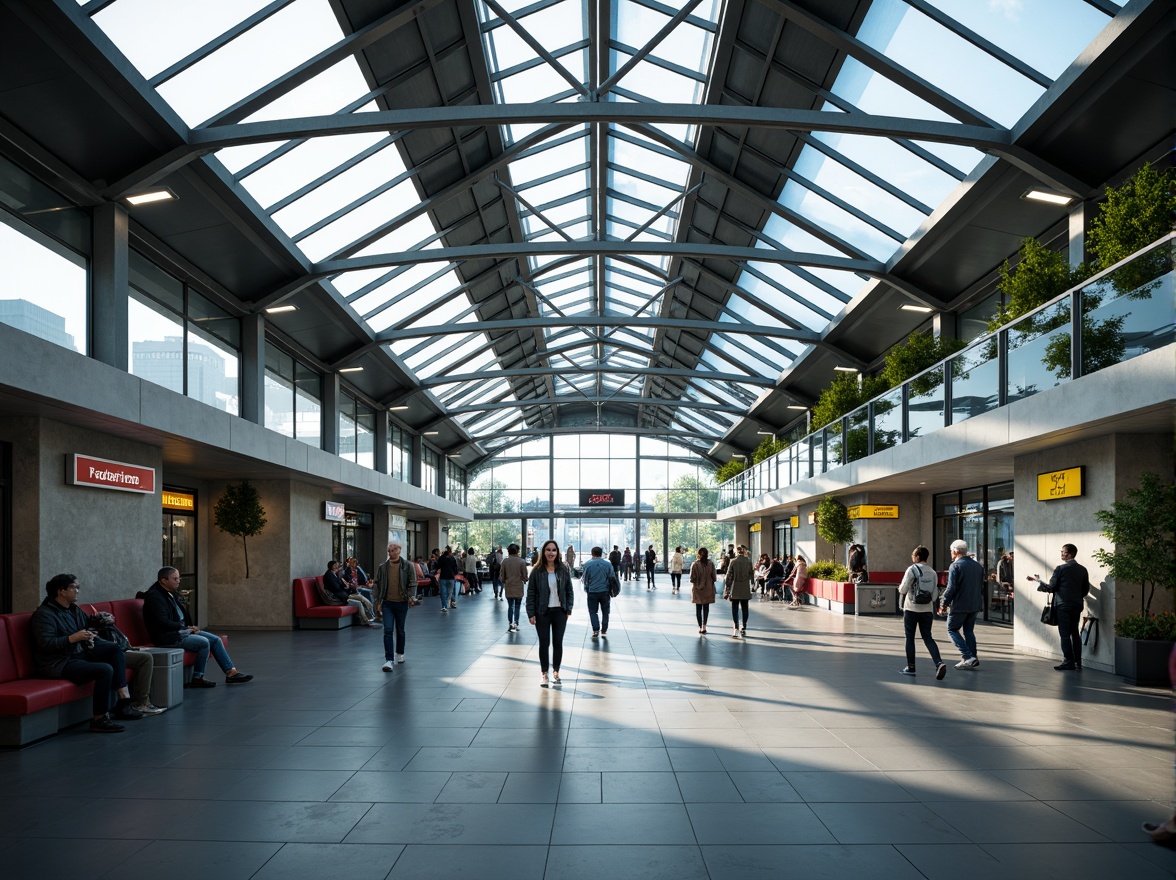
(615, 559)
(596, 578)
(963, 600)
(447, 579)
(395, 585)
(1071, 584)
(169, 626)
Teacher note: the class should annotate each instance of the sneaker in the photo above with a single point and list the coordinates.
(399, 658)
(105, 725)
(940, 671)
(543, 682)
(734, 632)
(1066, 667)
(124, 711)
(963, 664)
(149, 708)
(555, 679)
(238, 678)
(375, 625)
(742, 632)
(974, 662)
(907, 670)
(387, 667)
(199, 681)
(452, 604)
(596, 634)
(603, 633)
(444, 610)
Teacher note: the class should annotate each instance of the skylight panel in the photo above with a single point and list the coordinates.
(406, 237)
(356, 223)
(655, 82)
(252, 60)
(836, 220)
(541, 163)
(894, 163)
(859, 192)
(439, 357)
(433, 298)
(305, 163)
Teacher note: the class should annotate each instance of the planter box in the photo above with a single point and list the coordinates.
(1142, 662)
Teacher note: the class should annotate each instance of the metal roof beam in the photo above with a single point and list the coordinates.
(582, 321)
(604, 401)
(669, 372)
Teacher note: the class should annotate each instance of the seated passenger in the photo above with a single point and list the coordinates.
(774, 582)
(336, 592)
(169, 625)
(358, 581)
(66, 645)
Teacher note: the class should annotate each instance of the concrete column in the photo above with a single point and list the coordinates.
(110, 286)
(331, 413)
(381, 440)
(253, 368)
(1080, 215)
(418, 453)
(944, 325)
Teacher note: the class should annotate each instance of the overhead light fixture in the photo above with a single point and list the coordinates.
(738, 455)
(796, 406)
(148, 196)
(453, 455)
(767, 433)
(847, 369)
(351, 370)
(1044, 195)
(432, 433)
(401, 408)
(911, 307)
(278, 310)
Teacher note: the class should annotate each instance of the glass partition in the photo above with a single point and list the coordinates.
(1128, 312)
(857, 441)
(888, 420)
(975, 381)
(1039, 351)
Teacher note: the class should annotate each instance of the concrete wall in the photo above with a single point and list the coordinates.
(889, 542)
(1112, 465)
(109, 539)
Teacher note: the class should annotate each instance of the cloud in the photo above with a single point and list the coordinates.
(1011, 9)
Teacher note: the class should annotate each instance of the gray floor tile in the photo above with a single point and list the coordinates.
(197, 860)
(755, 824)
(847, 787)
(619, 758)
(825, 862)
(314, 861)
(472, 788)
(1014, 822)
(286, 785)
(648, 862)
(393, 788)
(885, 823)
(580, 788)
(261, 820)
(456, 824)
(618, 824)
(423, 862)
(768, 788)
(639, 787)
(708, 787)
(530, 788)
(27, 859)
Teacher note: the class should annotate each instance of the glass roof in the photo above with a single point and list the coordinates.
(338, 196)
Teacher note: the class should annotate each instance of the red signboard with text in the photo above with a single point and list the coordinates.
(86, 470)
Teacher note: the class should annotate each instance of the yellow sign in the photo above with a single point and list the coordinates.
(794, 522)
(179, 500)
(1059, 484)
(874, 511)
(754, 527)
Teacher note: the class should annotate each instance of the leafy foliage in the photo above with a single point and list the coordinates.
(828, 570)
(768, 447)
(686, 495)
(919, 352)
(1040, 275)
(1133, 216)
(845, 393)
(1142, 528)
(239, 513)
(833, 522)
(1155, 627)
(731, 469)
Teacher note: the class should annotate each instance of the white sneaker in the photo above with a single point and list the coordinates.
(399, 658)
(964, 664)
(734, 632)
(387, 667)
(543, 680)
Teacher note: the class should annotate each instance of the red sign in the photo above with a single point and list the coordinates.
(85, 470)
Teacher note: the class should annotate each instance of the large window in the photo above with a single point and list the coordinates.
(293, 398)
(399, 453)
(180, 340)
(43, 243)
(357, 431)
(455, 482)
(430, 469)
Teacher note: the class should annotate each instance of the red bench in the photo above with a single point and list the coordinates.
(33, 708)
(310, 611)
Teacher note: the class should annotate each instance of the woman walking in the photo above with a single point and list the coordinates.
(920, 583)
(702, 587)
(677, 563)
(549, 605)
(798, 580)
(514, 576)
(738, 590)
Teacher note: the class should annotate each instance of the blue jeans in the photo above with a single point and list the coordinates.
(512, 609)
(601, 599)
(395, 613)
(966, 621)
(448, 592)
(203, 643)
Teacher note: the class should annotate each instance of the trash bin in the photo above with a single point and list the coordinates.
(167, 676)
(875, 599)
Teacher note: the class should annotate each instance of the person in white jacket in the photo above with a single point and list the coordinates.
(920, 577)
(677, 563)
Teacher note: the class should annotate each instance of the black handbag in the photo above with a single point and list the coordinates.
(614, 586)
(1049, 614)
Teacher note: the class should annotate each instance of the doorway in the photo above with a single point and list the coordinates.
(179, 542)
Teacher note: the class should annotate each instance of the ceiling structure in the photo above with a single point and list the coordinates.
(670, 218)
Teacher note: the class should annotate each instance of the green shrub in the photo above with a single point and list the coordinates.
(768, 447)
(731, 469)
(828, 570)
(1159, 627)
(833, 522)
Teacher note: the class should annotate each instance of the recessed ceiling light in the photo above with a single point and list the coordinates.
(397, 408)
(911, 307)
(351, 370)
(277, 310)
(796, 406)
(149, 196)
(767, 433)
(1044, 195)
(846, 369)
(737, 455)
(432, 433)
(453, 455)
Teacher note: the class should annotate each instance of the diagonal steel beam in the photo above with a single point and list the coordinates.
(538, 47)
(639, 56)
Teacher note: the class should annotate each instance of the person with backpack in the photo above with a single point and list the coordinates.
(1070, 584)
(918, 593)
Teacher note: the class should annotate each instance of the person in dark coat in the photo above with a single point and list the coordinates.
(963, 600)
(1070, 584)
(549, 605)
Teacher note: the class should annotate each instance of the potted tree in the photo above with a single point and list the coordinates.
(239, 513)
(1142, 531)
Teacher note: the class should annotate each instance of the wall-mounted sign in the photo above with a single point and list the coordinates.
(874, 511)
(794, 521)
(334, 511)
(397, 521)
(812, 518)
(602, 497)
(85, 470)
(1060, 484)
(182, 501)
(754, 527)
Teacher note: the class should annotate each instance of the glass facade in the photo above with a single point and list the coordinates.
(982, 516)
(293, 398)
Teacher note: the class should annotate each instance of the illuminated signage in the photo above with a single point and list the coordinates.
(754, 527)
(602, 497)
(101, 473)
(334, 511)
(184, 501)
(812, 518)
(1060, 484)
(794, 521)
(874, 511)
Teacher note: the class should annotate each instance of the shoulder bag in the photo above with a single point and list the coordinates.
(1049, 614)
(921, 596)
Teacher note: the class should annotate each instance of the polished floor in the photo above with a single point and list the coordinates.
(798, 752)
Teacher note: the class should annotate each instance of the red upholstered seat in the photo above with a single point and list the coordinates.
(308, 604)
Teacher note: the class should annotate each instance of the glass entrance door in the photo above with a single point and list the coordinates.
(179, 551)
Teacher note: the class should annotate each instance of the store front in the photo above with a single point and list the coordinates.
(983, 517)
(179, 541)
(353, 537)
